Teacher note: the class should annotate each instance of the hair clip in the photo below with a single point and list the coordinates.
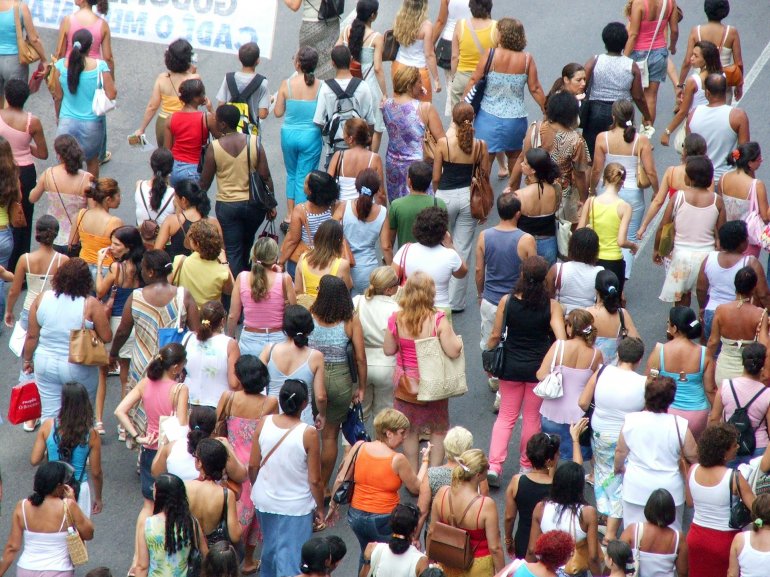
(466, 121)
(299, 334)
(587, 330)
(397, 536)
(736, 154)
(611, 289)
(168, 265)
(464, 467)
(77, 44)
(694, 324)
(629, 123)
(759, 522)
(196, 428)
(206, 322)
(291, 396)
(366, 191)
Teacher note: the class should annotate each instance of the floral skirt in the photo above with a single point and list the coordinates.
(682, 273)
(608, 487)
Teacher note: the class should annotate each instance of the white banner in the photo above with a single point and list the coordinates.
(216, 25)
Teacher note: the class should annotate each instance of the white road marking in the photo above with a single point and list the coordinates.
(755, 71)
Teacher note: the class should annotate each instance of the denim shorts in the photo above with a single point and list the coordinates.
(88, 133)
(656, 63)
(183, 171)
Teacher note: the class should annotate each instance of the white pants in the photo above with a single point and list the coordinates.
(379, 390)
(488, 312)
(462, 227)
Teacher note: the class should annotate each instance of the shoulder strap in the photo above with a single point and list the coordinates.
(144, 201)
(754, 398)
(623, 331)
(251, 88)
(698, 30)
(278, 444)
(475, 37)
(661, 14)
(724, 38)
(455, 522)
(232, 86)
(660, 361)
(336, 88)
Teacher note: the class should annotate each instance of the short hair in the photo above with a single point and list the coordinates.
(46, 229)
(16, 92)
(405, 78)
(73, 278)
(630, 350)
(733, 234)
(337, 547)
(753, 357)
(700, 171)
(745, 281)
(456, 442)
(716, 10)
(715, 442)
(542, 448)
(420, 175)
(341, 57)
(480, 8)
(716, 84)
(554, 548)
(252, 373)
(229, 115)
(614, 37)
(430, 226)
(659, 393)
(178, 56)
(248, 54)
(512, 35)
(191, 89)
(322, 188)
(563, 108)
(206, 238)
(389, 420)
(660, 509)
(508, 205)
(584, 246)
(694, 145)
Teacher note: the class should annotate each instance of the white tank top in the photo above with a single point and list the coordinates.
(207, 369)
(752, 563)
(721, 280)
(44, 551)
(713, 124)
(576, 290)
(180, 462)
(700, 95)
(657, 564)
(348, 190)
(567, 521)
(412, 55)
(629, 161)
(458, 10)
(385, 562)
(712, 504)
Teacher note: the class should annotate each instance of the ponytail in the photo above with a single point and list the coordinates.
(167, 357)
(212, 316)
(161, 163)
(81, 44)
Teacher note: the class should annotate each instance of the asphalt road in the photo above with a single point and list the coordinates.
(559, 31)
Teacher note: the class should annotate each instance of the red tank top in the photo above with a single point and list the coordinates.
(478, 536)
(190, 134)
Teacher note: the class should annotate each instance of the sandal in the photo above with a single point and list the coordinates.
(318, 526)
(99, 428)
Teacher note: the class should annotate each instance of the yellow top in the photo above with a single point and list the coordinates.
(605, 221)
(4, 217)
(232, 172)
(170, 104)
(312, 280)
(203, 278)
(469, 52)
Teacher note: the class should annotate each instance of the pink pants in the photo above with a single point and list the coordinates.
(515, 397)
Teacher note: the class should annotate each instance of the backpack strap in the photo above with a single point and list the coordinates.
(336, 88)
(232, 87)
(251, 88)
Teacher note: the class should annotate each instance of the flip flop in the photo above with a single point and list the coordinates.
(319, 526)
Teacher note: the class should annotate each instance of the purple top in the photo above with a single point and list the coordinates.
(565, 409)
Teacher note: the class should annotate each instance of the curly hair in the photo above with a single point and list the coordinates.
(659, 393)
(563, 108)
(409, 18)
(531, 283)
(171, 499)
(405, 78)
(69, 152)
(462, 116)
(264, 254)
(74, 421)
(130, 237)
(582, 324)
(212, 455)
(554, 549)
(73, 279)
(715, 443)
(102, 190)
(207, 241)
(418, 295)
(322, 189)
(333, 304)
(327, 245)
(178, 56)
(512, 35)
(542, 448)
(9, 174)
(213, 315)
(430, 226)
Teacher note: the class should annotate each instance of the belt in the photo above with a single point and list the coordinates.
(266, 330)
(4, 227)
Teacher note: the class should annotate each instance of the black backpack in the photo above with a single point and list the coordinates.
(741, 421)
(344, 110)
(249, 123)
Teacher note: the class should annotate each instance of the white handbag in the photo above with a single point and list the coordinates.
(101, 104)
(551, 386)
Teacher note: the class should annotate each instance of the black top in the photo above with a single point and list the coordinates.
(528, 341)
(455, 174)
(543, 225)
(175, 244)
(527, 498)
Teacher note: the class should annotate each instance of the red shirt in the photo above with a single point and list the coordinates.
(190, 134)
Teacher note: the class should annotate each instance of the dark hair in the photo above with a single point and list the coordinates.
(430, 226)
(69, 151)
(212, 316)
(297, 324)
(102, 189)
(569, 71)
(660, 509)
(716, 84)
(74, 421)
(161, 163)
(190, 191)
(252, 374)
(531, 283)
(420, 175)
(99, 572)
(293, 394)
(171, 499)
(554, 549)
(101, 5)
(248, 54)
(685, 321)
(357, 130)
(178, 56)
(337, 548)
(700, 171)
(753, 357)
(191, 89)
(481, 8)
(341, 57)
(307, 57)
(608, 287)
(167, 357)
(403, 522)
(367, 178)
(733, 234)
(714, 443)
(203, 420)
(16, 92)
(716, 10)
(541, 448)
(694, 145)
(584, 246)
(81, 44)
(323, 189)
(221, 561)
(73, 279)
(614, 37)
(563, 108)
(621, 555)
(48, 477)
(365, 9)
(568, 488)
(333, 303)
(228, 115)
(546, 170)
(158, 263)
(131, 238)
(760, 511)
(508, 205)
(212, 455)
(745, 153)
(315, 556)
(434, 571)
(659, 393)
(622, 114)
(711, 57)
(46, 230)
(630, 350)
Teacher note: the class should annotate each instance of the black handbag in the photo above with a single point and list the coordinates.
(585, 437)
(344, 493)
(476, 94)
(205, 146)
(350, 355)
(221, 533)
(585, 104)
(330, 9)
(493, 360)
(260, 195)
(444, 53)
(268, 231)
(740, 516)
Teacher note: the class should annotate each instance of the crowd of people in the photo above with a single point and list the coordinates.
(242, 356)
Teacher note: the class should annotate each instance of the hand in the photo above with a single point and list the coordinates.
(672, 49)
(509, 546)
(333, 515)
(68, 492)
(101, 255)
(320, 422)
(634, 248)
(319, 516)
(207, 104)
(641, 232)
(9, 318)
(447, 240)
(358, 396)
(664, 138)
(147, 439)
(97, 507)
(578, 427)
(416, 543)
(738, 92)
(425, 452)
(28, 367)
(656, 258)
(437, 87)
(272, 213)
(138, 132)
(277, 268)
(507, 189)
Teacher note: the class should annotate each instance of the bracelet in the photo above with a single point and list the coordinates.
(508, 541)
(680, 85)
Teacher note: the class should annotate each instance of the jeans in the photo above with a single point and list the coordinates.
(656, 62)
(562, 429)
(183, 171)
(368, 528)
(253, 343)
(634, 197)
(88, 133)
(515, 397)
(22, 237)
(52, 371)
(283, 537)
(147, 481)
(708, 320)
(462, 226)
(6, 248)
(240, 222)
(547, 248)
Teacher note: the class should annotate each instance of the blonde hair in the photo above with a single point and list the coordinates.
(264, 255)
(389, 420)
(409, 18)
(457, 441)
(381, 279)
(582, 323)
(469, 464)
(417, 302)
(614, 173)
(405, 78)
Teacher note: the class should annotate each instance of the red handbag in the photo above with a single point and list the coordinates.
(25, 403)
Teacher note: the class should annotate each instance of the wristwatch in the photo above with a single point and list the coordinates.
(667, 131)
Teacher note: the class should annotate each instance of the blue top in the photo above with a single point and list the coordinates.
(78, 105)
(8, 44)
(331, 341)
(690, 395)
(363, 236)
(504, 95)
(300, 113)
(302, 373)
(119, 302)
(501, 263)
(57, 317)
(77, 459)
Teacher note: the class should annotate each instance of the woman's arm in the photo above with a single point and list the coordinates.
(545, 366)
(637, 93)
(97, 476)
(19, 276)
(385, 246)
(534, 86)
(430, 54)
(625, 220)
(535, 531)
(280, 101)
(168, 136)
(209, 169)
(648, 161)
(438, 161)
(478, 73)
(299, 280)
(294, 236)
(668, 217)
(14, 542)
(656, 203)
(39, 149)
(403, 469)
(142, 553)
(39, 450)
(233, 354)
(709, 383)
(681, 112)
(717, 409)
(264, 171)
(33, 336)
(598, 165)
(319, 389)
(164, 234)
(390, 344)
(438, 25)
(653, 361)
(735, 549)
(682, 562)
(82, 523)
(455, 58)
(104, 283)
(124, 328)
(511, 510)
(236, 471)
(634, 24)
(128, 402)
(686, 66)
(359, 351)
(450, 342)
(492, 531)
(293, 5)
(584, 214)
(193, 320)
(423, 504)
(738, 59)
(235, 309)
(621, 453)
(109, 85)
(312, 443)
(234, 528)
(365, 567)
(557, 320)
(255, 457)
(575, 429)
(588, 392)
(97, 314)
(434, 121)
(37, 192)
(379, 70)
(590, 518)
(159, 463)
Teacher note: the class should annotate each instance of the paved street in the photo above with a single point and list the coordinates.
(558, 31)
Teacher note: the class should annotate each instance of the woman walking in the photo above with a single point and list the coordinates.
(317, 32)
(414, 33)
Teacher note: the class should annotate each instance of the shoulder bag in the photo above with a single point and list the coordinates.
(16, 216)
(101, 104)
(578, 563)
(551, 386)
(205, 145)
(428, 140)
(476, 93)
(27, 52)
(740, 516)
(221, 533)
(353, 427)
(759, 232)
(482, 195)
(406, 388)
(449, 544)
(149, 227)
(330, 9)
(220, 429)
(175, 334)
(75, 545)
(668, 231)
(493, 360)
(260, 195)
(344, 493)
(302, 247)
(440, 376)
(86, 348)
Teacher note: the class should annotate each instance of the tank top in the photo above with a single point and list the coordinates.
(657, 564)
(699, 97)
(612, 78)
(377, 485)
(299, 113)
(713, 124)
(267, 313)
(725, 54)
(91, 244)
(527, 497)
(302, 372)
(96, 32)
(78, 456)
(690, 395)
(543, 225)
(233, 172)
(502, 264)
(58, 316)
(528, 340)
(565, 409)
(44, 551)
(469, 51)
(629, 161)
(314, 220)
(605, 221)
(457, 10)
(721, 280)
(478, 536)
(157, 403)
(752, 562)
(19, 140)
(738, 208)
(36, 283)
(557, 517)
(647, 39)
(8, 44)
(694, 225)
(388, 563)
(347, 184)
(412, 55)
(455, 174)
(576, 287)
(712, 504)
(180, 462)
(331, 341)
(363, 236)
(206, 367)
(190, 134)
(175, 245)
(311, 280)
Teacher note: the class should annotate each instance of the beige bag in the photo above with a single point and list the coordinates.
(86, 348)
(440, 376)
(27, 52)
(75, 545)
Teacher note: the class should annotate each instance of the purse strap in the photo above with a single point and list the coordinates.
(352, 464)
(402, 263)
(400, 351)
(559, 347)
(228, 406)
(557, 284)
(759, 324)
(175, 397)
(679, 438)
(453, 522)
(278, 444)
(657, 26)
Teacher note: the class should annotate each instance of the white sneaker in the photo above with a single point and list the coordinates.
(494, 384)
(496, 404)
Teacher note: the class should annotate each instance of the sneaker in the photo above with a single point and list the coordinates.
(496, 404)
(493, 479)
(107, 157)
(121, 434)
(494, 384)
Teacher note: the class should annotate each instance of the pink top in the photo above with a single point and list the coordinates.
(157, 403)
(407, 351)
(745, 389)
(694, 226)
(565, 409)
(647, 29)
(19, 141)
(267, 313)
(96, 31)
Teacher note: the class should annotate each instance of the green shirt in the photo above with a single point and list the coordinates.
(403, 212)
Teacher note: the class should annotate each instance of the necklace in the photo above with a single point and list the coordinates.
(741, 300)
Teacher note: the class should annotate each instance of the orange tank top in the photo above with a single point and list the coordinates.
(90, 244)
(377, 485)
